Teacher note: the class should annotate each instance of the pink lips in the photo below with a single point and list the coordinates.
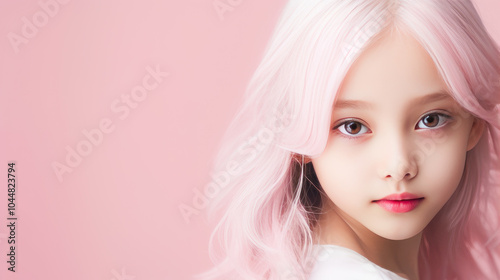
(399, 202)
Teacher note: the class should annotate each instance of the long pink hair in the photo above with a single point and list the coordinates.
(270, 200)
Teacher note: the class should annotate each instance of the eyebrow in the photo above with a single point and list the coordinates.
(359, 104)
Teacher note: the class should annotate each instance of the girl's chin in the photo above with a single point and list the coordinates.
(397, 235)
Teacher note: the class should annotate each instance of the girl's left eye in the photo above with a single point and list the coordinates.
(432, 121)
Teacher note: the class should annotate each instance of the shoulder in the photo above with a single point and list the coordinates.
(335, 262)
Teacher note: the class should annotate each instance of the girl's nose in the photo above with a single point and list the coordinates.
(397, 161)
(401, 171)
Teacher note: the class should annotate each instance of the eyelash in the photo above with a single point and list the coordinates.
(440, 124)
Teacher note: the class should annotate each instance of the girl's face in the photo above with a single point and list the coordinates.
(394, 130)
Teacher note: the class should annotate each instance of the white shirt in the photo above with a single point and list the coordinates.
(336, 262)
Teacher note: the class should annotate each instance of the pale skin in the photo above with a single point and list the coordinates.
(390, 134)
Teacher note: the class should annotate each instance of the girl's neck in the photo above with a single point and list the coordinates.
(398, 256)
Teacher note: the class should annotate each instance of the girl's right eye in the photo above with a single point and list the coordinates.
(352, 128)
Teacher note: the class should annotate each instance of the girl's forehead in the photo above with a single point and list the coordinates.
(395, 68)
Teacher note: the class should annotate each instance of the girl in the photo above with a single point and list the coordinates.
(366, 148)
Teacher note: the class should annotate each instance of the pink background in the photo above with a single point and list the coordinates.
(116, 213)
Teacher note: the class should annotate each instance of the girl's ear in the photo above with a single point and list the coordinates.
(475, 133)
(298, 158)
(307, 159)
